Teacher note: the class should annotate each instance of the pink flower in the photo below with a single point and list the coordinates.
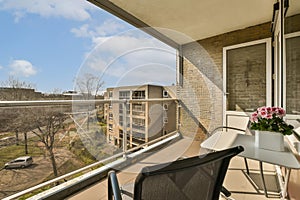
(254, 117)
(267, 113)
(263, 114)
(269, 109)
(274, 109)
(269, 116)
(262, 120)
(261, 109)
(281, 112)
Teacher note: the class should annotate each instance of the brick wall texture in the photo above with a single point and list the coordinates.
(201, 91)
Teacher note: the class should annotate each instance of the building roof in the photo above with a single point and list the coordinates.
(134, 87)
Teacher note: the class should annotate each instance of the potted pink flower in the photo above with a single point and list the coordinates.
(270, 127)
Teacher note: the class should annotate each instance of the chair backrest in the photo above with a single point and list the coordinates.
(198, 178)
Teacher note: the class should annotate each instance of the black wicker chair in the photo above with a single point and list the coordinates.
(197, 177)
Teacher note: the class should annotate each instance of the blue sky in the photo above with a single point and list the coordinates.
(50, 43)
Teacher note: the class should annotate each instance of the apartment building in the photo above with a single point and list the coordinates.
(143, 112)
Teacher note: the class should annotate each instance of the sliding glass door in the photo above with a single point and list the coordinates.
(247, 80)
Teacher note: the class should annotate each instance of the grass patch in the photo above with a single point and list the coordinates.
(9, 153)
(80, 151)
(26, 196)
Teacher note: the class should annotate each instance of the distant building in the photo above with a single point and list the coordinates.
(19, 94)
(29, 94)
(144, 114)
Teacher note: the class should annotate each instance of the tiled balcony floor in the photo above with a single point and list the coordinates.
(236, 180)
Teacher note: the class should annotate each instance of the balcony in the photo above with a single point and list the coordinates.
(227, 63)
(137, 113)
(165, 148)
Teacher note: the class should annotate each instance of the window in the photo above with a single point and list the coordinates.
(110, 94)
(293, 75)
(139, 95)
(165, 106)
(121, 120)
(139, 122)
(248, 76)
(165, 120)
(110, 127)
(110, 116)
(165, 94)
(124, 95)
(120, 108)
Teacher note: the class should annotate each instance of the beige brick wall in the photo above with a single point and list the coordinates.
(204, 73)
(201, 93)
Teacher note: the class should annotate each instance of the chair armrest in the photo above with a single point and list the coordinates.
(113, 186)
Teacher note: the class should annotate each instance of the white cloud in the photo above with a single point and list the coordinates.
(131, 60)
(97, 33)
(69, 9)
(22, 68)
(1, 67)
(148, 74)
(132, 57)
(109, 27)
(83, 31)
(128, 50)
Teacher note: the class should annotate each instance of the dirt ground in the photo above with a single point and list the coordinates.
(16, 180)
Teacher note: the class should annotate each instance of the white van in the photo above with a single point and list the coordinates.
(19, 162)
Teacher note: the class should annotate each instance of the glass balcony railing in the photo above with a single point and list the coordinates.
(85, 128)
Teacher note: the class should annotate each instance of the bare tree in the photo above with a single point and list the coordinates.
(56, 91)
(47, 126)
(18, 89)
(89, 85)
(13, 82)
(23, 124)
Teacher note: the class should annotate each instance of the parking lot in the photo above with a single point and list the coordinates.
(15, 180)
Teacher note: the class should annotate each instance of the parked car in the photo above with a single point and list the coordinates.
(20, 162)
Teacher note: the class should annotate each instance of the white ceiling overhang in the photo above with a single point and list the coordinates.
(194, 19)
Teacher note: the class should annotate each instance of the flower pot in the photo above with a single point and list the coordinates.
(269, 140)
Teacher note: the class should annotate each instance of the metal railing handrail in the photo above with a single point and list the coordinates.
(90, 166)
(70, 102)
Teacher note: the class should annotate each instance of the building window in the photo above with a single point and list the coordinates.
(124, 95)
(110, 127)
(110, 116)
(165, 106)
(121, 120)
(120, 108)
(165, 94)
(165, 120)
(110, 94)
(139, 94)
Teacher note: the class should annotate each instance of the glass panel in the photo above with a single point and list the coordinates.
(246, 78)
(293, 75)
